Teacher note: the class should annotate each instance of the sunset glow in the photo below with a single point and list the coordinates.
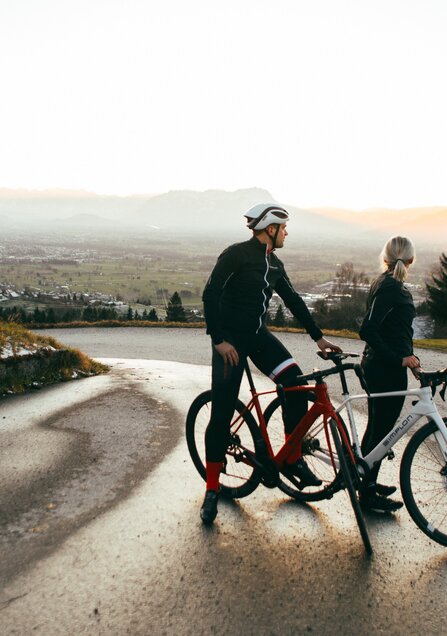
(324, 103)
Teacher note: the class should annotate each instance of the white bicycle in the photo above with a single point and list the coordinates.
(423, 469)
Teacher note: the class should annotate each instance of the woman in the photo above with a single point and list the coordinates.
(388, 333)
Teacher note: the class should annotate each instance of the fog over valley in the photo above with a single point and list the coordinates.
(207, 213)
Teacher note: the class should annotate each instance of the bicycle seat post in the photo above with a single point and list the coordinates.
(344, 384)
(249, 377)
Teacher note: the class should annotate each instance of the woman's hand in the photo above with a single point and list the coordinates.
(228, 353)
(412, 362)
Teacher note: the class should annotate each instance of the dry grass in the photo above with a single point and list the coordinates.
(38, 360)
(439, 344)
(117, 323)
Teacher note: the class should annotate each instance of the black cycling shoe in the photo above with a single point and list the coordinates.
(385, 491)
(378, 503)
(208, 511)
(304, 473)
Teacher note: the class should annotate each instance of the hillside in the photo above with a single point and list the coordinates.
(208, 211)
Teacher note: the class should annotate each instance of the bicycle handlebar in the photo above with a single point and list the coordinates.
(320, 374)
(433, 379)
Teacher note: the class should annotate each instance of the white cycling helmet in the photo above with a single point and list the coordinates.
(264, 214)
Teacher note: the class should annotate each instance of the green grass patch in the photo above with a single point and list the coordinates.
(28, 360)
(438, 344)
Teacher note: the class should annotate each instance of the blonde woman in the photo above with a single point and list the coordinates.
(388, 333)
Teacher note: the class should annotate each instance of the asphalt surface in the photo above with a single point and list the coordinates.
(99, 517)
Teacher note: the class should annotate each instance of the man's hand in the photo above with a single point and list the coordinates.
(228, 353)
(324, 344)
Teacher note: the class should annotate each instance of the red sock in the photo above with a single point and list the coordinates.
(212, 475)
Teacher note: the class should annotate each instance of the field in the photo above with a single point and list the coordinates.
(129, 279)
(149, 267)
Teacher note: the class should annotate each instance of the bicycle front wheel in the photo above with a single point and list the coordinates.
(347, 470)
(423, 482)
(320, 455)
(238, 478)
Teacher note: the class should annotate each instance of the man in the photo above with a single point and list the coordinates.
(236, 299)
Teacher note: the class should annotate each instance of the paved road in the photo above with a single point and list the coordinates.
(100, 529)
(193, 346)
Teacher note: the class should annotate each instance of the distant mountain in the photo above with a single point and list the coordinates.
(214, 211)
(49, 205)
(187, 209)
(218, 210)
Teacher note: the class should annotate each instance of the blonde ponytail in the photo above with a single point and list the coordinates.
(396, 255)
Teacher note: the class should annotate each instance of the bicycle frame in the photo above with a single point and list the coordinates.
(291, 450)
(424, 406)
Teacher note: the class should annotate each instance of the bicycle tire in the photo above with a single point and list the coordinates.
(238, 479)
(315, 451)
(423, 484)
(346, 469)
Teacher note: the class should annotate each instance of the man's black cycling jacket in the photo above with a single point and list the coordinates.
(387, 327)
(238, 292)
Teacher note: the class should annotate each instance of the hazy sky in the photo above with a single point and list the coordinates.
(322, 102)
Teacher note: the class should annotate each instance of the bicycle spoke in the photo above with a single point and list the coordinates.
(424, 487)
(239, 477)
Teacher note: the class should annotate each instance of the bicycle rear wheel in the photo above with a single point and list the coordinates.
(321, 457)
(347, 470)
(423, 482)
(239, 478)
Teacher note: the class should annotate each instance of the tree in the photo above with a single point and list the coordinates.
(279, 320)
(437, 298)
(152, 315)
(89, 314)
(37, 314)
(346, 308)
(174, 310)
(347, 280)
(51, 315)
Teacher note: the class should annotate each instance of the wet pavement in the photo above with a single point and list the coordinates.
(100, 531)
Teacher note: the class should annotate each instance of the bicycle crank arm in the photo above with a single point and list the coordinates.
(268, 470)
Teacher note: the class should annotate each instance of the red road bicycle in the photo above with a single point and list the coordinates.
(258, 453)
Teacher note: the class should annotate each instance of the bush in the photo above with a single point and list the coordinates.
(437, 298)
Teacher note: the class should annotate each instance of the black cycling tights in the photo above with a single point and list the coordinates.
(274, 360)
(382, 412)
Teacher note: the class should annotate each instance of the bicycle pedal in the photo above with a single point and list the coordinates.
(295, 482)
